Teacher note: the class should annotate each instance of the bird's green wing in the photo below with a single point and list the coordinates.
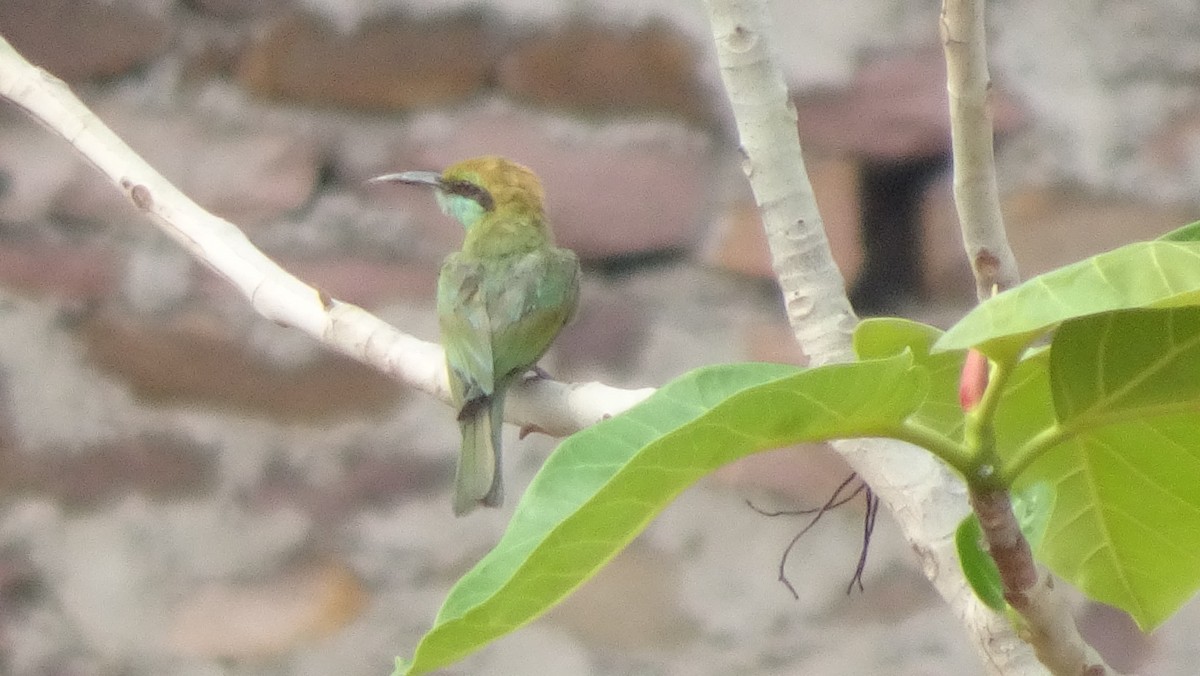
(462, 309)
(538, 297)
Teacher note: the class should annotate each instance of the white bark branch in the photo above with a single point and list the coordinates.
(976, 196)
(1028, 587)
(553, 407)
(927, 500)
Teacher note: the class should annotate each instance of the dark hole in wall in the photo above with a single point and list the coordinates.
(890, 196)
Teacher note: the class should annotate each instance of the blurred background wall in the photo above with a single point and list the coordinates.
(188, 489)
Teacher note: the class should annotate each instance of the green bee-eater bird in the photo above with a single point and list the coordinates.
(501, 300)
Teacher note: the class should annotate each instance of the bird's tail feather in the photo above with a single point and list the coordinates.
(477, 479)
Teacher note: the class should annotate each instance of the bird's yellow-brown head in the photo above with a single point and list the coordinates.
(480, 189)
(498, 201)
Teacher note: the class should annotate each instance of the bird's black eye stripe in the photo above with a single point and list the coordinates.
(470, 191)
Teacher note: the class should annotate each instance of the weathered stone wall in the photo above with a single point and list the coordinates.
(188, 489)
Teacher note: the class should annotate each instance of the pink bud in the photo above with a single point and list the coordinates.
(973, 381)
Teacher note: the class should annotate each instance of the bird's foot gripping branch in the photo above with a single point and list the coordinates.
(1093, 434)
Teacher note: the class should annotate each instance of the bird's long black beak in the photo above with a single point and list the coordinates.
(429, 178)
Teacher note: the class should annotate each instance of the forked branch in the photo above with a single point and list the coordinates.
(927, 501)
(1028, 588)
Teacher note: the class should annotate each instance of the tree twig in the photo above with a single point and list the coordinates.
(553, 407)
(976, 196)
(1029, 589)
(927, 501)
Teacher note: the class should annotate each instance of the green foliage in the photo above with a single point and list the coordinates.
(1162, 273)
(887, 336)
(1096, 435)
(1106, 417)
(601, 487)
(1126, 528)
(979, 568)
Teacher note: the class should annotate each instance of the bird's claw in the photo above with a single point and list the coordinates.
(526, 430)
(536, 373)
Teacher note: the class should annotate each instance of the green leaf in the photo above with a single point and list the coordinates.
(1024, 411)
(1033, 505)
(978, 567)
(1126, 523)
(1188, 233)
(604, 484)
(881, 337)
(1143, 361)
(1162, 273)
(1027, 407)
(1125, 527)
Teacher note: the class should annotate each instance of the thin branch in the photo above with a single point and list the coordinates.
(553, 407)
(927, 501)
(1027, 588)
(813, 288)
(1031, 591)
(975, 193)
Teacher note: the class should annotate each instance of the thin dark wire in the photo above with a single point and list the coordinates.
(833, 501)
(868, 529)
(803, 512)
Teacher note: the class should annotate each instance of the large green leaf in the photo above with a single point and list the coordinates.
(1162, 273)
(881, 337)
(1188, 233)
(1135, 361)
(604, 484)
(1126, 522)
(1027, 407)
(1121, 392)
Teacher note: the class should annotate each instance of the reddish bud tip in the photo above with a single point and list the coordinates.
(973, 381)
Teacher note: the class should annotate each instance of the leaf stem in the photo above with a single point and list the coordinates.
(979, 434)
(1032, 450)
(1002, 370)
(956, 455)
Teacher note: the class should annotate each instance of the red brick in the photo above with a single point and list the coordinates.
(157, 467)
(68, 271)
(80, 39)
(266, 617)
(392, 64)
(598, 70)
(246, 173)
(1047, 228)
(895, 108)
(202, 364)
